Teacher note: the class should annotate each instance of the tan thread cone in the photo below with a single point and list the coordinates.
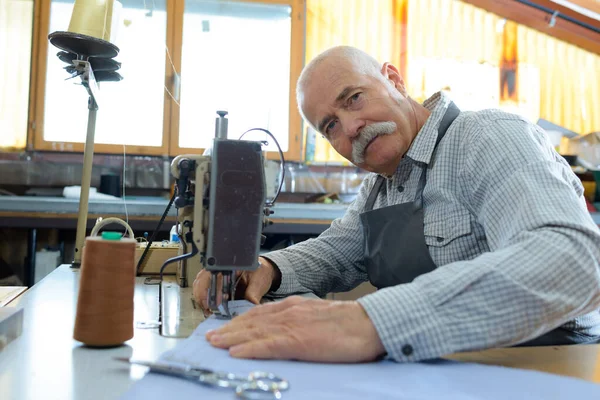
(106, 284)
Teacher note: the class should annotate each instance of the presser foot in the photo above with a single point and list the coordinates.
(223, 312)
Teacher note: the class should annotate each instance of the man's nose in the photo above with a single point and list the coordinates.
(352, 126)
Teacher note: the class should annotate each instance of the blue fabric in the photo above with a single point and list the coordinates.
(439, 379)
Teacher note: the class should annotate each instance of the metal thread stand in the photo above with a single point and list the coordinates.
(85, 56)
(86, 180)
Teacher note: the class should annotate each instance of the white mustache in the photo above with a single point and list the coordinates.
(367, 134)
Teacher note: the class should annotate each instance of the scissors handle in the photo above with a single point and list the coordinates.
(262, 385)
(269, 379)
(255, 390)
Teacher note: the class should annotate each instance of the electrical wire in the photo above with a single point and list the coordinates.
(281, 165)
(162, 219)
(124, 201)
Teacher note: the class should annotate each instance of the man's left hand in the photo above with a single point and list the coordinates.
(302, 329)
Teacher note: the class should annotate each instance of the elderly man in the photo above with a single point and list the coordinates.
(471, 226)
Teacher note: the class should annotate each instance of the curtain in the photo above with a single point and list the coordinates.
(569, 80)
(456, 47)
(483, 60)
(375, 26)
(16, 24)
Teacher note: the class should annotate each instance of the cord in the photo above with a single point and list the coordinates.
(281, 165)
(124, 201)
(162, 219)
(189, 236)
(175, 72)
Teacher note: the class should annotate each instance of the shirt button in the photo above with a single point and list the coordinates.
(440, 239)
(407, 350)
(401, 188)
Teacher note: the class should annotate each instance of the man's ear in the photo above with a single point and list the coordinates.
(391, 73)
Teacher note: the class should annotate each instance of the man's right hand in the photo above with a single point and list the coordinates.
(252, 286)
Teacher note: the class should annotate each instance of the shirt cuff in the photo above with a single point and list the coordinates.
(407, 323)
(289, 282)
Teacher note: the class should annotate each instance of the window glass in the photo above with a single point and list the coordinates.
(235, 57)
(130, 111)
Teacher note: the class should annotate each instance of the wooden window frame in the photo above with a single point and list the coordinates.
(294, 152)
(174, 40)
(38, 83)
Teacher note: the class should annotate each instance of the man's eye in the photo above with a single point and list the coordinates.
(355, 97)
(330, 126)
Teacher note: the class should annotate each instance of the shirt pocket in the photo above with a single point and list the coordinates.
(443, 230)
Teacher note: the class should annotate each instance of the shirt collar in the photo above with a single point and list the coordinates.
(423, 145)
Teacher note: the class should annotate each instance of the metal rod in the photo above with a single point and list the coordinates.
(86, 179)
(221, 125)
(559, 15)
(212, 292)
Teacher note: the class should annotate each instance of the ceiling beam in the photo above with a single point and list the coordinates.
(540, 18)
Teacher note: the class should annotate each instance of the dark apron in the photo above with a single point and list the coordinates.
(394, 240)
(395, 251)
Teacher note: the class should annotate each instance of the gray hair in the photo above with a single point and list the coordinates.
(357, 59)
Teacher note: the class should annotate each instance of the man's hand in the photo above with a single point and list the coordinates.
(302, 329)
(252, 286)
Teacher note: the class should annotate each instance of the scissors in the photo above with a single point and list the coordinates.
(258, 385)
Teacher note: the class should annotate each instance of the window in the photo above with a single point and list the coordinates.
(131, 111)
(16, 32)
(481, 58)
(181, 62)
(236, 57)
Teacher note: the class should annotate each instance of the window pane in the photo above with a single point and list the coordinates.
(236, 57)
(130, 111)
(16, 19)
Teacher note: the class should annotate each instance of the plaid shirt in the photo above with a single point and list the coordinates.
(506, 224)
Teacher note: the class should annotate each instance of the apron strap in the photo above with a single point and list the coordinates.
(451, 113)
(374, 192)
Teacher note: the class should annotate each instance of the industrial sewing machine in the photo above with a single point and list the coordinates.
(221, 211)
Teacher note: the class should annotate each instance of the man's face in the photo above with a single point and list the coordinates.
(367, 121)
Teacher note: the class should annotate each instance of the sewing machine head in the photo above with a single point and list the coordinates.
(222, 210)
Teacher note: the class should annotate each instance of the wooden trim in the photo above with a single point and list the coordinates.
(37, 111)
(176, 53)
(294, 152)
(539, 20)
(592, 5)
(581, 362)
(169, 77)
(297, 54)
(37, 125)
(37, 17)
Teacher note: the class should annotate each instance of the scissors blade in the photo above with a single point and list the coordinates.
(168, 369)
(137, 362)
(181, 370)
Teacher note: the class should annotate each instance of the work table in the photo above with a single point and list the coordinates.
(60, 212)
(46, 363)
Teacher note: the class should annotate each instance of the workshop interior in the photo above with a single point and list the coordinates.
(165, 135)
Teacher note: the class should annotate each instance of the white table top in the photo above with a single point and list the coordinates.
(45, 362)
(9, 293)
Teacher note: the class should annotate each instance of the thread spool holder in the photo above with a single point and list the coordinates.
(90, 59)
